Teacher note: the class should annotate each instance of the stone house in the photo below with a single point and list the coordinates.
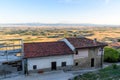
(115, 45)
(87, 53)
(65, 54)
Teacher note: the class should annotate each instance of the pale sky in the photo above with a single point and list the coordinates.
(60, 11)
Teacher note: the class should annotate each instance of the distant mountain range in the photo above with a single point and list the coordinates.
(57, 24)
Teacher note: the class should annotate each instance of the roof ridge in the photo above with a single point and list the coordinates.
(44, 42)
(85, 42)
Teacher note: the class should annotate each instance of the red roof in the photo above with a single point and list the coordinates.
(85, 43)
(43, 49)
(115, 44)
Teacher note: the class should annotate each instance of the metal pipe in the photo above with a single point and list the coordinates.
(23, 68)
(101, 57)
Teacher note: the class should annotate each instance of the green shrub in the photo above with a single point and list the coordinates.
(76, 78)
(111, 55)
(114, 66)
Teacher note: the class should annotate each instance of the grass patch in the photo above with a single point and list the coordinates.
(109, 73)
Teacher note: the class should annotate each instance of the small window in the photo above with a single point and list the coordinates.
(63, 64)
(34, 66)
(76, 64)
(76, 52)
(100, 49)
(93, 49)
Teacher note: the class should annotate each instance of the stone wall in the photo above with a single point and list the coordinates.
(85, 62)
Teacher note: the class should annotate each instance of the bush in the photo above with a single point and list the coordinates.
(114, 66)
(111, 55)
(76, 78)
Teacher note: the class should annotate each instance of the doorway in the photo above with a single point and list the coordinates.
(92, 62)
(53, 66)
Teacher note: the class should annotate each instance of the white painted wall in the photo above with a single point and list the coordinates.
(45, 62)
(69, 44)
(82, 53)
(99, 52)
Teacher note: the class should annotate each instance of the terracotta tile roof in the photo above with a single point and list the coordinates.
(84, 42)
(115, 44)
(43, 49)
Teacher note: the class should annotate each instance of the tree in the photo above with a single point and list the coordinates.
(111, 55)
(119, 53)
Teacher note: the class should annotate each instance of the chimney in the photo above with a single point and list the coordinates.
(95, 40)
(75, 35)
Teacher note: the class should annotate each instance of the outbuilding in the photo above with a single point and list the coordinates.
(45, 56)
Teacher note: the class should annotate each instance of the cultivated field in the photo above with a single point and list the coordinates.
(38, 34)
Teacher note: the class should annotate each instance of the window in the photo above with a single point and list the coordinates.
(34, 66)
(76, 52)
(100, 49)
(93, 49)
(63, 64)
(76, 63)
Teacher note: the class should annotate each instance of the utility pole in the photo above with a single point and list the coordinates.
(22, 56)
(101, 57)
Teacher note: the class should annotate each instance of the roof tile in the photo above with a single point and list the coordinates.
(84, 42)
(42, 49)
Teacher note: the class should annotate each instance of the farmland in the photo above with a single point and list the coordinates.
(43, 34)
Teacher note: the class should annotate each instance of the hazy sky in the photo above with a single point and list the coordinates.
(60, 11)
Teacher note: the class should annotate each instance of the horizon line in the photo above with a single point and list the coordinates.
(55, 23)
